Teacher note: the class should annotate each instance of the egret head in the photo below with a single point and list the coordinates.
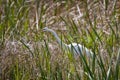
(45, 29)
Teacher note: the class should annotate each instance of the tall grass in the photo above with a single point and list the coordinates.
(26, 52)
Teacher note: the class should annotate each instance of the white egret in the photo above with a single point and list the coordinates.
(76, 49)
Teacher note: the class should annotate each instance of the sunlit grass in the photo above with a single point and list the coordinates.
(26, 52)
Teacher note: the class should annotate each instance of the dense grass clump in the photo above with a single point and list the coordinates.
(27, 53)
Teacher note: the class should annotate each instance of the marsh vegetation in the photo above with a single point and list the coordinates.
(27, 53)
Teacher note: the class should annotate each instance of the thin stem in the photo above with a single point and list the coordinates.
(62, 44)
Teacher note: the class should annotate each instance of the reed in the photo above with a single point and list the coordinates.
(26, 52)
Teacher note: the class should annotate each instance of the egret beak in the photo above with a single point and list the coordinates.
(43, 30)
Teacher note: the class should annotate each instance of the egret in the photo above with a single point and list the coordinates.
(76, 49)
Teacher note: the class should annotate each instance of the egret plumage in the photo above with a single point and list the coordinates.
(76, 49)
